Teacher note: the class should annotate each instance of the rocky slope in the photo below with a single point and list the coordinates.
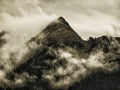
(62, 60)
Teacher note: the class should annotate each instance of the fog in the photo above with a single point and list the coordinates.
(19, 21)
(74, 68)
(23, 19)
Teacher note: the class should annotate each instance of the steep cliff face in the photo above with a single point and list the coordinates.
(61, 58)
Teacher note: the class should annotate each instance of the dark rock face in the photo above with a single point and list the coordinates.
(60, 36)
(57, 35)
(60, 32)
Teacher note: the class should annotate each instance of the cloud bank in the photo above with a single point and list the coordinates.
(74, 68)
(19, 21)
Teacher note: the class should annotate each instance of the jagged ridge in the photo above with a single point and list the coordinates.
(59, 35)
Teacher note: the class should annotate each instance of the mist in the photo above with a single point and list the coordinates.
(20, 20)
(75, 68)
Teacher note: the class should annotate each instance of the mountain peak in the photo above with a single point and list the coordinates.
(47, 59)
(59, 22)
(59, 31)
(61, 19)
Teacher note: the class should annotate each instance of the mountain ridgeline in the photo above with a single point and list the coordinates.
(53, 65)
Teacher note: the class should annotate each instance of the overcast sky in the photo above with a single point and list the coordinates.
(87, 17)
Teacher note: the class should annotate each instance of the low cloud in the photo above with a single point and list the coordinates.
(20, 21)
(75, 68)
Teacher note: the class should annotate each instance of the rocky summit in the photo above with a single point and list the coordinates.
(63, 61)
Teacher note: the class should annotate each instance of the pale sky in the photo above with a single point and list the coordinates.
(87, 17)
